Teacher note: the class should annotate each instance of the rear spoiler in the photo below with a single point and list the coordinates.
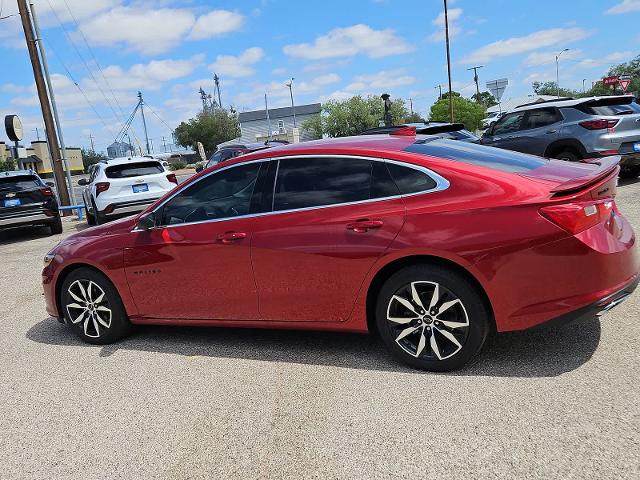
(450, 127)
(608, 165)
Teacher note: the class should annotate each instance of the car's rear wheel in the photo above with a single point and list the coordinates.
(56, 226)
(567, 155)
(431, 318)
(91, 220)
(92, 307)
(98, 219)
(630, 172)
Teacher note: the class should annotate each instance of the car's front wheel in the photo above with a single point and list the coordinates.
(92, 307)
(432, 318)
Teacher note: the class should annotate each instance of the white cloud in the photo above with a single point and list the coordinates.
(338, 96)
(240, 66)
(624, 7)
(144, 30)
(216, 23)
(350, 41)
(383, 80)
(543, 58)
(605, 61)
(439, 36)
(279, 93)
(527, 43)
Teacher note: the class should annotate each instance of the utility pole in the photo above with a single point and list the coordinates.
(475, 79)
(91, 140)
(266, 107)
(216, 80)
(54, 107)
(293, 107)
(411, 105)
(446, 33)
(583, 89)
(164, 144)
(440, 88)
(558, 72)
(144, 122)
(203, 97)
(38, 134)
(47, 116)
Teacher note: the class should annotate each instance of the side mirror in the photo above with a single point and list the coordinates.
(147, 221)
(50, 184)
(82, 182)
(199, 168)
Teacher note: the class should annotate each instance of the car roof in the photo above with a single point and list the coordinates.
(121, 160)
(572, 102)
(17, 173)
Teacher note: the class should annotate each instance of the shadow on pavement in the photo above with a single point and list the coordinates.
(623, 182)
(21, 234)
(537, 353)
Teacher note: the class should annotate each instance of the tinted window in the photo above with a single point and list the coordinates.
(489, 157)
(509, 123)
(134, 169)
(310, 182)
(625, 109)
(410, 180)
(19, 183)
(224, 194)
(382, 185)
(542, 117)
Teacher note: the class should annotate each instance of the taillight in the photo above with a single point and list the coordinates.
(172, 178)
(578, 216)
(46, 191)
(102, 187)
(599, 124)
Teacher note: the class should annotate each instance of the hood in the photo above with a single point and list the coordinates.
(116, 227)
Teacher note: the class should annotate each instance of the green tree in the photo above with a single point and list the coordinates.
(91, 157)
(464, 111)
(7, 165)
(631, 68)
(485, 99)
(313, 125)
(211, 128)
(551, 88)
(341, 118)
(414, 118)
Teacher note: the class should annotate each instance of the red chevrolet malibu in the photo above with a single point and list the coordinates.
(431, 243)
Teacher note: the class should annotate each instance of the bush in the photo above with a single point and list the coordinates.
(8, 165)
(178, 166)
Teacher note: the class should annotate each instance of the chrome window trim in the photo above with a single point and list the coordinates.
(441, 184)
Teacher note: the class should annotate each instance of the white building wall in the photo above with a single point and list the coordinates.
(260, 127)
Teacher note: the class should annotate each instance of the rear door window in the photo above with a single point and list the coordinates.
(541, 117)
(134, 169)
(510, 123)
(409, 180)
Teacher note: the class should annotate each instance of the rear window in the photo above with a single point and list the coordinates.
(19, 183)
(134, 169)
(496, 158)
(624, 109)
(409, 180)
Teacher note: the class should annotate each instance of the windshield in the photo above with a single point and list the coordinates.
(19, 183)
(610, 110)
(134, 169)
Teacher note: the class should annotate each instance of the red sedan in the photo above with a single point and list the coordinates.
(431, 243)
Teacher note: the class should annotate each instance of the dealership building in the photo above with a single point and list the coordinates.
(37, 158)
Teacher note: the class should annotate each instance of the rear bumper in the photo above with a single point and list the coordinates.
(127, 208)
(595, 309)
(18, 219)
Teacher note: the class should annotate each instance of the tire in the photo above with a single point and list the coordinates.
(414, 340)
(630, 172)
(105, 320)
(56, 226)
(567, 155)
(98, 219)
(91, 220)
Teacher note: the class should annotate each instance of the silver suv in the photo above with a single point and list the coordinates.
(573, 129)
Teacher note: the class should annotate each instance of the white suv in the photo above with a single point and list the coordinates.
(123, 186)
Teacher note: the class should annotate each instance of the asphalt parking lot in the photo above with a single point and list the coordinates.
(231, 403)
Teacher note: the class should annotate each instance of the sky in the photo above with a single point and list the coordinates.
(101, 52)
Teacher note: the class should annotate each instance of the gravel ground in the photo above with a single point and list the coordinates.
(228, 403)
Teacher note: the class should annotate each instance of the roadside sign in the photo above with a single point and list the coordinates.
(201, 152)
(608, 81)
(625, 84)
(497, 87)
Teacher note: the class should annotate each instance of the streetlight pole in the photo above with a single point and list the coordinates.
(446, 33)
(583, 89)
(558, 72)
(293, 107)
(475, 79)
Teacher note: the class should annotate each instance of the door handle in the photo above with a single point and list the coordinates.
(362, 226)
(230, 237)
(551, 131)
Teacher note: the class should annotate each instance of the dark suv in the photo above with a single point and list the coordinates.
(25, 200)
(573, 129)
(228, 152)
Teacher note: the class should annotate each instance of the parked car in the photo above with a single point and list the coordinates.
(124, 186)
(25, 200)
(492, 117)
(453, 131)
(229, 152)
(400, 234)
(573, 129)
